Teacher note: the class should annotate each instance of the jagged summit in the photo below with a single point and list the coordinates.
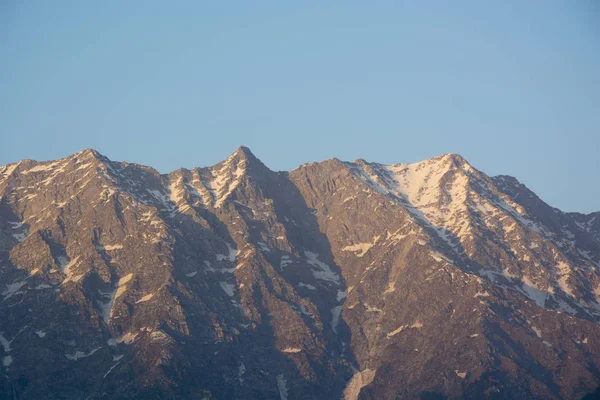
(89, 152)
(244, 155)
(244, 150)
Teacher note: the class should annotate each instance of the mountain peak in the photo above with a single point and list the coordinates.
(243, 152)
(243, 155)
(452, 159)
(89, 153)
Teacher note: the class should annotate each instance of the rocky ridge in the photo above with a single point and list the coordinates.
(350, 280)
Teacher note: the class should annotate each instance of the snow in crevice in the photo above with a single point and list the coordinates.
(80, 354)
(228, 288)
(110, 370)
(5, 343)
(42, 167)
(215, 185)
(106, 304)
(66, 267)
(110, 247)
(391, 288)
(145, 298)
(241, 372)
(282, 386)
(359, 380)
(536, 295)
(7, 360)
(108, 298)
(163, 200)
(563, 271)
(127, 338)
(361, 248)
(291, 350)
(307, 285)
(542, 297)
(415, 325)
(263, 247)
(285, 261)
(20, 236)
(177, 191)
(8, 169)
(13, 289)
(322, 271)
(336, 313)
(16, 225)
(233, 252)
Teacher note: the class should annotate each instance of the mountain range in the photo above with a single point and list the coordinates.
(336, 280)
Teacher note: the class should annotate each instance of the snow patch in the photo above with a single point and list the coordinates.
(414, 325)
(113, 247)
(391, 288)
(145, 298)
(361, 248)
(109, 370)
(9, 169)
(19, 236)
(66, 267)
(41, 168)
(12, 289)
(359, 380)
(535, 294)
(5, 343)
(229, 257)
(106, 306)
(80, 354)
(158, 335)
(227, 288)
(15, 225)
(285, 261)
(127, 338)
(241, 372)
(263, 247)
(324, 273)
(282, 386)
(291, 350)
(563, 271)
(125, 279)
(336, 313)
(307, 285)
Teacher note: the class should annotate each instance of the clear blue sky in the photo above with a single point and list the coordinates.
(513, 86)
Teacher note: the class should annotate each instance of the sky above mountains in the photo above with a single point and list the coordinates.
(511, 86)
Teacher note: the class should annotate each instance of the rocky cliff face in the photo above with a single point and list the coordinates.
(335, 280)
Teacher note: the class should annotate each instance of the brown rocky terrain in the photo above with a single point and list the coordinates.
(349, 280)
